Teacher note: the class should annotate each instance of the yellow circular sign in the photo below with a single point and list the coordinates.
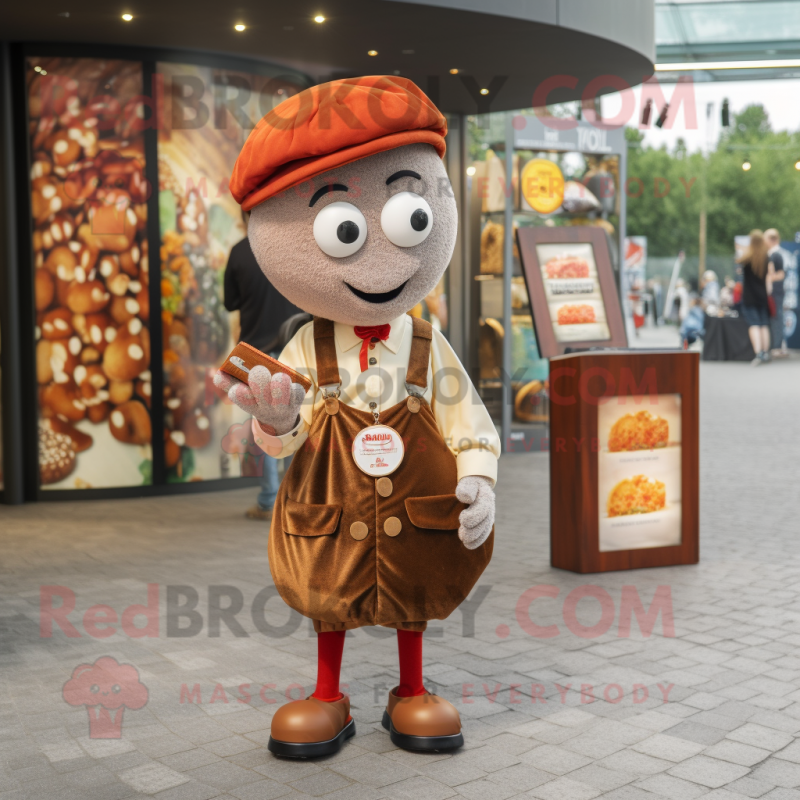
(543, 185)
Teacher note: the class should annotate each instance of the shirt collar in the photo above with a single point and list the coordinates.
(346, 338)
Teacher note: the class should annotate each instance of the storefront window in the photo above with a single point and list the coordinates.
(590, 197)
(88, 201)
(205, 126)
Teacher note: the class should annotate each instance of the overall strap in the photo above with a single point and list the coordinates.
(420, 355)
(325, 350)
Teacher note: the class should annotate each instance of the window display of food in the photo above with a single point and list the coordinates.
(637, 495)
(639, 431)
(199, 222)
(88, 203)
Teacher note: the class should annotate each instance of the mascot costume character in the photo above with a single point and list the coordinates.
(386, 514)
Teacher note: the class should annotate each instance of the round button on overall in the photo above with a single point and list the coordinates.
(413, 404)
(359, 531)
(392, 526)
(384, 487)
(373, 362)
(332, 405)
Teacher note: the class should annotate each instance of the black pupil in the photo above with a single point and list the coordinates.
(419, 220)
(347, 232)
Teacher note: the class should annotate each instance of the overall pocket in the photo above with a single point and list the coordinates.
(437, 513)
(308, 519)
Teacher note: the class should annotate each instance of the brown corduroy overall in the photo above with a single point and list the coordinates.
(349, 550)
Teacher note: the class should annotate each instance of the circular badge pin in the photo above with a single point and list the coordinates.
(378, 450)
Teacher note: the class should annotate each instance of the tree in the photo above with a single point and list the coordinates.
(765, 196)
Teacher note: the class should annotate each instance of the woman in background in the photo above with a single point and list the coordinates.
(756, 266)
(709, 288)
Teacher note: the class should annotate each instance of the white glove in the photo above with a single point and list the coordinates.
(477, 520)
(272, 399)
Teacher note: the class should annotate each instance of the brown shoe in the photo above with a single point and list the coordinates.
(256, 512)
(425, 722)
(309, 728)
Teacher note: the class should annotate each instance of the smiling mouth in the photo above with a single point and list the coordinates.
(377, 297)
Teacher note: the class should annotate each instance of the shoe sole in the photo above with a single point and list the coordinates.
(312, 749)
(425, 743)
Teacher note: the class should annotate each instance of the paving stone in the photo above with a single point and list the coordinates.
(564, 789)
(374, 770)
(484, 790)
(760, 736)
(672, 787)
(152, 778)
(749, 787)
(778, 773)
(709, 772)
(320, 783)
(420, 788)
(737, 753)
(261, 790)
(670, 748)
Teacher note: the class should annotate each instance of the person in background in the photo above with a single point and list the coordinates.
(709, 288)
(681, 302)
(773, 240)
(726, 293)
(693, 325)
(756, 271)
(262, 311)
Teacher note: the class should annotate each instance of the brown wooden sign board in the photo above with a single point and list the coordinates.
(572, 288)
(624, 474)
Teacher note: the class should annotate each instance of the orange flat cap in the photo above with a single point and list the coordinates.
(328, 126)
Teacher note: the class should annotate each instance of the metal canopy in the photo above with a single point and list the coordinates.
(509, 48)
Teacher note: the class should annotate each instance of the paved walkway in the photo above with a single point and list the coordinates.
(712, 711)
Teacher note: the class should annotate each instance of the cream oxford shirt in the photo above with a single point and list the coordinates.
(463, 421)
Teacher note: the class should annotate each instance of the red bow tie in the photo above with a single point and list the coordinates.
(370, 334)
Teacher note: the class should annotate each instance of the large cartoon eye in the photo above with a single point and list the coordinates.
(94, 688)
(406, 219)
(116, 688)
(340, 229)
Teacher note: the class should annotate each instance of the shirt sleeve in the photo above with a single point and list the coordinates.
(300, 356)
(462, 418)
(230, 296)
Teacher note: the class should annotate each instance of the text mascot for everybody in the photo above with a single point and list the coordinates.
(386, 514)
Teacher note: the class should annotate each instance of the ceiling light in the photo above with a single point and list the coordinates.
(127, 17)
(797, 164)
(372, 52)
(319, 18)
(43, 72)
(690, 66)
(484, 91)
(746, 166)
(471, 171)
(239, 27)
(37, 69)
(454, 72)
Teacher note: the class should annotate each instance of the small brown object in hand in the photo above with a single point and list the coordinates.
(250, 357)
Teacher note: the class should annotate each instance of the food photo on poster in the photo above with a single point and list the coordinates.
(639, 472)
(88, 204)
(574, 298)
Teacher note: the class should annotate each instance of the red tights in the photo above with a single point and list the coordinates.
(329, 663)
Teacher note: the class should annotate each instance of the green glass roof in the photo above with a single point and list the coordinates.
(719, 22)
